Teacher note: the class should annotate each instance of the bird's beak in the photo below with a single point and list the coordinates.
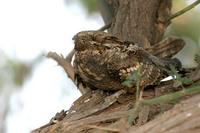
(74, 38)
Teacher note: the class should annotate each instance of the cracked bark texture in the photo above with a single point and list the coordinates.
(140, 21)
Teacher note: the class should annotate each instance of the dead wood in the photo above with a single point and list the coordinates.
(97, 110)
(186, 115)
(65, 63)
(184, 118)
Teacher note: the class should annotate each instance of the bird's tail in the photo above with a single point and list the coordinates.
(172, 63)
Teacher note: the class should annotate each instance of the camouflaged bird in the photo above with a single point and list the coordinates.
(103, 61)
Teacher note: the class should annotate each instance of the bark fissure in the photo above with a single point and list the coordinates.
(142, 22)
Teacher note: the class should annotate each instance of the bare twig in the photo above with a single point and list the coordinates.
(67, 66)
(64, 63)
(172, 96)
(184, 118)
(168, 98)
(184, 10)
(106, 26)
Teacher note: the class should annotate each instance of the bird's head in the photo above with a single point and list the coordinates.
(93, 39)
(82, 39)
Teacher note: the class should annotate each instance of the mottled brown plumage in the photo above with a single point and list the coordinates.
(104, 62)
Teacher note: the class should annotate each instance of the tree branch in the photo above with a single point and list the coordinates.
(62, 62)
(184, 10)
(106, 26)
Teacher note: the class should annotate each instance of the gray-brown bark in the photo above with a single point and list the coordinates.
(184, 118)
(141, 21)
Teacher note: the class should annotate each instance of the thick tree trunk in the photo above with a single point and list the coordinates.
(140, 21)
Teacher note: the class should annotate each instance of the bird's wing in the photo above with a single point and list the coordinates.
(167, 48)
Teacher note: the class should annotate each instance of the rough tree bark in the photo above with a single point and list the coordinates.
(143, 22)
(140, 21)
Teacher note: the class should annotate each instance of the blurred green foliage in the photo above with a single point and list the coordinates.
(132, 79)
(197, 58)
(19, 70)
(90, 5)
(13, 72)
(178, 78)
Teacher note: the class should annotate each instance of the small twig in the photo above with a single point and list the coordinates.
(139, 89)
(103, 128)
(168, 98)
(195, 75)
(63, 63)
(172, 96)
(133, 113)
(184, 10)
(106, 26)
